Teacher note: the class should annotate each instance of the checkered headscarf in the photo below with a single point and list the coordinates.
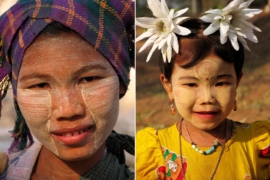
(106, 24)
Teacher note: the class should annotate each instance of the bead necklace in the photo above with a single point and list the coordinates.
(209, 151)
(219, 157)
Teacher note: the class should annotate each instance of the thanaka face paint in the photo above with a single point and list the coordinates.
(68, 94)
(204, 94)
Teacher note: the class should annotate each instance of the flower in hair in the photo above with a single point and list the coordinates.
(231, 21)
(162, 29)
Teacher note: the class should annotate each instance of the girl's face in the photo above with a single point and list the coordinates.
(203, 94)
(68, 94)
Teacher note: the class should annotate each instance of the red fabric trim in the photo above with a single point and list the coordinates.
(265, 152)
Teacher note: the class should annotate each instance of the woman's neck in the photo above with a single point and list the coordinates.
(49, 166)
(205, 138)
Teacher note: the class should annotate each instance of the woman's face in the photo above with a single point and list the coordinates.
(203, 94)
(68, 94)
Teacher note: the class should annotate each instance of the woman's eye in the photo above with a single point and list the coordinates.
(222, 83)
(191, 85)
(40, 86)
(89, 79)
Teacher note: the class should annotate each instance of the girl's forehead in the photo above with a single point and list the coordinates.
(210, 67)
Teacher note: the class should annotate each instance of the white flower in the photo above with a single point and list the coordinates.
(161, 30)
(231, 21)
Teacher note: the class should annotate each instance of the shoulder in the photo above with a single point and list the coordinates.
(258, 131)
(23, 162)
(154, 135)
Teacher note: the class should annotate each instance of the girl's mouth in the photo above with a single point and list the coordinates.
(206, 114)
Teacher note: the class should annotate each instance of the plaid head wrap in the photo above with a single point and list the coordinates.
(106, 24)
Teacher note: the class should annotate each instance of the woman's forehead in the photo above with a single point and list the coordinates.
(63, 50)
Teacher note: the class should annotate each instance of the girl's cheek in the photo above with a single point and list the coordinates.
(183, 97)
(226, 96)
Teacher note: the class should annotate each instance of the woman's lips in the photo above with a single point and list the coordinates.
(73, 136)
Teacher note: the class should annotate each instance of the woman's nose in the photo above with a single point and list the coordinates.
(67, 104)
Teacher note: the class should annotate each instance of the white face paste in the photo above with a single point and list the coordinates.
(65, 83)
(208, 86)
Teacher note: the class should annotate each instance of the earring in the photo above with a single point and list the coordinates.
(172, 109)
(235, 106)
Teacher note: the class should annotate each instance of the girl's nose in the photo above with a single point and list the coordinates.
(68, 105)
(208, 96)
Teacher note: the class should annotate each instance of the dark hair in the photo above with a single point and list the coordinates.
(55, 28)
(199, 46)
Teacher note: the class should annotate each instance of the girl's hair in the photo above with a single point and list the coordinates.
(196, 46)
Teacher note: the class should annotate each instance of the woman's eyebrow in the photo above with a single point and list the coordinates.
(90, 67)
(78, 72)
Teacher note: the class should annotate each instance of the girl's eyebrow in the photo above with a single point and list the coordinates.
(188, 77)
(225, 76)
(218, 76)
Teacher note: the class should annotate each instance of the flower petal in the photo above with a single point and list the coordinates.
(149, 42)
(250, 25)
(164, 7)
(224, 27)
(233, 39)
(174, 43)
(151, 52)
(208, 18)
(169, 53)
(144, 35)
(211, 28)
(179, 20)
(180, 12)
(161, 43)
(245, 4)
(155, 7)
(181, 30)
(223, 38)
(243, 41)
(213, 11)
(146, 22)
(251, 12)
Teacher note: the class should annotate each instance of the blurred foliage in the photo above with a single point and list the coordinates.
(196, 7)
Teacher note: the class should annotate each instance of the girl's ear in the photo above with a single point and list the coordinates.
(239, 79)
(167, 86)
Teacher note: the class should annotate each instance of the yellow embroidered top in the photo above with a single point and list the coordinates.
(246, 155)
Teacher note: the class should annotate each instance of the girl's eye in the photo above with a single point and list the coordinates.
(40, 86)
(222, 83)
(191, 85)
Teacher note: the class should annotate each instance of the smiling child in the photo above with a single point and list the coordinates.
(201, 78)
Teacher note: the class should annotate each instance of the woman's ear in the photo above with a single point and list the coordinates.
(122, 88)
(167, 86)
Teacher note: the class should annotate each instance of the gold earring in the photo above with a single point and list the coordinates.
(172, 109)
(235, 106)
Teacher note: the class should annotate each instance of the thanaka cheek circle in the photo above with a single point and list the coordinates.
(102, 101)
(184, 99)
(36, 110)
